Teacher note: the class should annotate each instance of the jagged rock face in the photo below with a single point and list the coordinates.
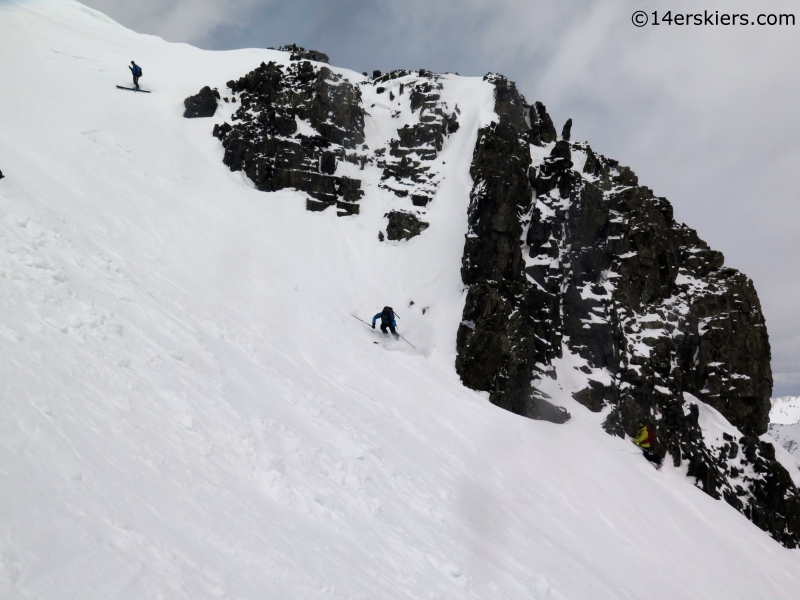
(264, 143)
(510, 105)
(403, 225)
(505, 330)
(542, 130)
(203, 104)
(569, 252)
(493, 269)
(566, 132)
(644, 297)
(274, 96)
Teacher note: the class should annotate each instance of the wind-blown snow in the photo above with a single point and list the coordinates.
(189, 409)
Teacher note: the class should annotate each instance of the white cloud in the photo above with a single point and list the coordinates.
(177, 20)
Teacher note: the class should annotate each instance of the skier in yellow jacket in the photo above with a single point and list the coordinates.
(645, 438)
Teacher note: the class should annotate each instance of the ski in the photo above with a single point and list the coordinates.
(122, 87)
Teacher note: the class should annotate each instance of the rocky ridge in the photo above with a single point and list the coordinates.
(265, 143)
(276, 102)
(568, 254)
(565, 255)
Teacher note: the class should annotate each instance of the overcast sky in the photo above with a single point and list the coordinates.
(705, 115)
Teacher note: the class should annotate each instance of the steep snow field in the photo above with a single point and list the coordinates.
(785, 410)
(784, 423)
(188, 409)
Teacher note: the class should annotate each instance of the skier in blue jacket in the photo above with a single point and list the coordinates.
(387, 320)
(136, 70)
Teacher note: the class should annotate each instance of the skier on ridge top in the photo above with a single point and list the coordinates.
(136, 70)
(387, 320)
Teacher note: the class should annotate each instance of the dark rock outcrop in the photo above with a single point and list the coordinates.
(203, 104)
(1, 175)
(508, 102)
(566, 132)
(591, 263)
(265, 144)
(498, 341)
(403, 225)
(298, 53)
(542, 130)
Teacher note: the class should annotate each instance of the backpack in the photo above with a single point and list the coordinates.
(387, 314)
(651, 437)
(139, 72)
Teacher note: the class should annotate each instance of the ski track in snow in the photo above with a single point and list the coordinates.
(189, 409)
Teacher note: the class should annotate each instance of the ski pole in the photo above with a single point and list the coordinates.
(362, 320)
(370, 326)
(407, 342)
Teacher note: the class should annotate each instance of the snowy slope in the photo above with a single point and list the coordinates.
(784, 423)
(785, 410)
(190, 411)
